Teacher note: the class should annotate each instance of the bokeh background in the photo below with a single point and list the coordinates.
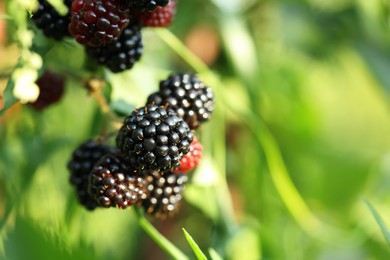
(298, 141)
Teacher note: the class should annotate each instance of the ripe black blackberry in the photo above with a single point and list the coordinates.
(154, 138)
(113, 184)
(81, 164)
(189, 97)
(98, 22)
(165, 192)
(122, 54)
(50, 21)
(148, 5)
(51, 89)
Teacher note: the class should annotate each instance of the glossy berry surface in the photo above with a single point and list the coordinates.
(50, 21)
(51, 89)
(122, 54)
(191, 160)
(165, 192)
(113, 184)
(189, 97)
(154, 138)
(161, 17)
(98, 22)
(146, 5)
(80, 166)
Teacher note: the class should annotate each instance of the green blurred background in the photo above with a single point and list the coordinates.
(299, 137)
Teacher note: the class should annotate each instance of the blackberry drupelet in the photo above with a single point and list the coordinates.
(191, 160)
(50, 21)
(122, 54)
(51, 88)
(80, 166)
(146, 5)
(165, 192)
(113, 184)
(161, 17)
(190, 98)
(154, 138)
(98, 22)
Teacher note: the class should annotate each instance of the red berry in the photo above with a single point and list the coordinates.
(98, 22)
(192, 158)
(51, 88)
(161, 17)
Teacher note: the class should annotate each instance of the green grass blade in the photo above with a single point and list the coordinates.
(199, 254)
(384, 229)
(160, 240)
(214, 255)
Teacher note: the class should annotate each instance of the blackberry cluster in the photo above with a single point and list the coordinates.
(164, 193)
(113, 184)
(122, 54)
(51, 89)
(189, 97)
(192, 159)
(80, 165)
(98, 22)
(154, 138)
(50, 21)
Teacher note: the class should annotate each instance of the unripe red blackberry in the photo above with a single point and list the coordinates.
(148, 5)
(122, 54)
(50, 21)
(51, 88)
(113, 184)
(154, 138)
(80, 166)
(165, 192)
(161, 17)
(191, 160)
(98, 22)
(190, 98)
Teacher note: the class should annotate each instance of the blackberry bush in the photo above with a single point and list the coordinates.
(164, 193)
(154, 138)
(113, 184)
(80, 166)
(122, 54)
(50, 21)
(98, 22)
(189, 97)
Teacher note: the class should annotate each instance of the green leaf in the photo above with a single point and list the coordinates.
(8, 95)
(199, 254)
(214, 255)
(384, 229)
(121, 107)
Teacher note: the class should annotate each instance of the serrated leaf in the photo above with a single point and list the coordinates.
(195, 248)
(384, 229)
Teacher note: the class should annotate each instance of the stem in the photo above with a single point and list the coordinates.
(160, 240)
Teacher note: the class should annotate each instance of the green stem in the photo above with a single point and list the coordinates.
(160, 240)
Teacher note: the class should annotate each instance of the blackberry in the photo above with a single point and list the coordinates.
(191, 160)
(148, 5)
(81, 164)
(161, 17)
(98, 22)
(50, 21)
(122, 54)
(190, 98)
(165, 192)
(113, 184)
(51, 88)
(154, 138)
